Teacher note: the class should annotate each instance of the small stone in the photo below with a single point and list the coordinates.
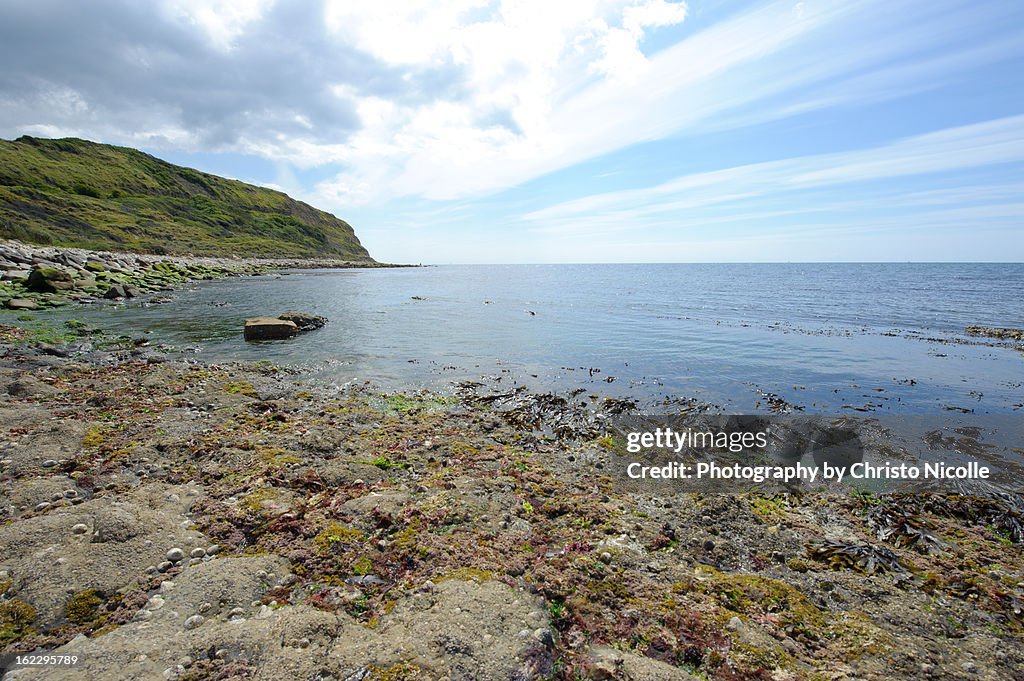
(43, 506)
(143, 615)
(194, 621)
(80, 528)
(605, 557)
(235, 612)
(198, 552)
(175, 555)
(205, 608)
(544, 636)
(195, 561)
(49, 463)
(213, 550)
(165, 566)
(735, 624)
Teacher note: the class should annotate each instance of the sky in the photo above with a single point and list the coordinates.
(494, 131)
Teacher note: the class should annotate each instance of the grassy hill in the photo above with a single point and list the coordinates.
(70, 192)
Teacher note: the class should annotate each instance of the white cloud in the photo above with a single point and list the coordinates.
(548, 86)
(222, 21)
(952, 149)
(520, 62)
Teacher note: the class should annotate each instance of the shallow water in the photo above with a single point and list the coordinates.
(815, 334)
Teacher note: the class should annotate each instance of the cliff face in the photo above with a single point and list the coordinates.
(71, 192)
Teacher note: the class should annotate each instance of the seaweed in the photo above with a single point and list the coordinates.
(864, 558)
(904, 529)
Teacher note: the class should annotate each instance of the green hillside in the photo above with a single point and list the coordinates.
(70, 192)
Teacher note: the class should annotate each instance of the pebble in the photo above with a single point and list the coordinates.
(165, 566)
(213, 550)
(49, 463)
(544, 636)
(175, 555)
(43, 506)
(735, 624)
(194, 621)
(80, 528)
(606, 557)
(198, 552)
(235, 612)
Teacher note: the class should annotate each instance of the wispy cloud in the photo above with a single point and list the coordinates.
(964, 147)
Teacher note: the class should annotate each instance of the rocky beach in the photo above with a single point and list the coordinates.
(165, 518)
(37, 277)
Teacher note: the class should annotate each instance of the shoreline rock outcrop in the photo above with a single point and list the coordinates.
(50, 276)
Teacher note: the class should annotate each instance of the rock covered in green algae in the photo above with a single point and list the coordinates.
(50, 280)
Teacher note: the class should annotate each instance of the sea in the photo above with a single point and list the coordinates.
(745, 338)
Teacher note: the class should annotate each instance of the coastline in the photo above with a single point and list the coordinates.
(69, 275)
(181, 520)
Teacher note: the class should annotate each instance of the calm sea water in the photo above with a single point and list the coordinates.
(829, 337)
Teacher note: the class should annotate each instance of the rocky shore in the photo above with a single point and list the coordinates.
(34, 277)
(174, 520)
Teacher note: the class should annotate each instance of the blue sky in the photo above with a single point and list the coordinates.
(578, 131)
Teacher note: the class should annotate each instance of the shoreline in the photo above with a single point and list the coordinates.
(49, 276)
(180, 520)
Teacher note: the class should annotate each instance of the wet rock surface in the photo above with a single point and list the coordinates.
(188, 521)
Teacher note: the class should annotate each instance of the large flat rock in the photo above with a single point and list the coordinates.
(269, 328)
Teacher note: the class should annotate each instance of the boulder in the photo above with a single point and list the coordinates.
(303, 320)
(269, 328)
(50, 280)
(115, 291)
(15, 275)
(21, 304)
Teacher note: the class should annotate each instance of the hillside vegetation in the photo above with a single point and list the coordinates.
(71, 192)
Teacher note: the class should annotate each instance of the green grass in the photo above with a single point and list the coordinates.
(70, 192)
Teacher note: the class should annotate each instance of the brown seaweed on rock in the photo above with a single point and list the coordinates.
(904, 529)
(1002, 512)
(863, 558)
